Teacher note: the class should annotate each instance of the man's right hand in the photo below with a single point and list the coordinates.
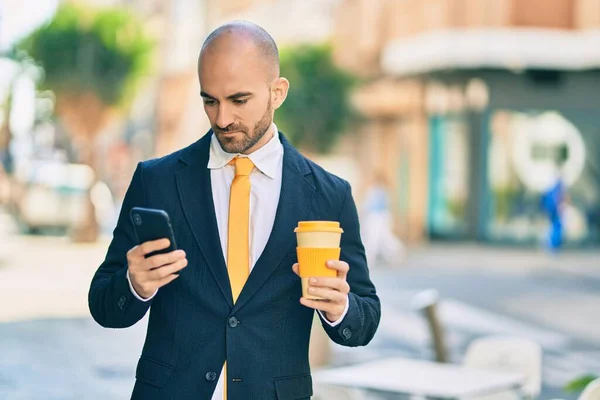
(149, 274)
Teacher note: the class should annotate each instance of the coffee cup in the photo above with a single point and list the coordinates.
(318, 242)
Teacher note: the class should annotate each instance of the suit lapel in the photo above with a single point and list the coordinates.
(294, 205)
(195, 194)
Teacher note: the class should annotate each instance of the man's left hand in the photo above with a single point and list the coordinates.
(333, 290)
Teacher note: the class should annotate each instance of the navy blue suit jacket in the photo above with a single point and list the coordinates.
(194, 326)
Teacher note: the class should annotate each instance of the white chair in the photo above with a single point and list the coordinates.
(591, 391)
(508, 354)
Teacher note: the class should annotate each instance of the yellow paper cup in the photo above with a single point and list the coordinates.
(318, 242)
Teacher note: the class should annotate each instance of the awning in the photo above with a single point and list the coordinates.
(513, 49)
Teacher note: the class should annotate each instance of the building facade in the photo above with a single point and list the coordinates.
(474, 108)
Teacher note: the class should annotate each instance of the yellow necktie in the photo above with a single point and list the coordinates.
(238, 234)
(238, 241)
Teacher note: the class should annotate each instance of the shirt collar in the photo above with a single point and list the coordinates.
(266, 159)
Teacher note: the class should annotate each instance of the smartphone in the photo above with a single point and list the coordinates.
(152, 224)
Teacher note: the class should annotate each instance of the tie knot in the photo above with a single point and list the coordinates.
(243, 166)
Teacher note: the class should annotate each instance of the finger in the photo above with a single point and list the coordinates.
(338, 284)
(160, 260)
(154, 245)
(135, 255)
(327, 294)
(295, 269)
(166, 270)
(341, 267)
(320, 305)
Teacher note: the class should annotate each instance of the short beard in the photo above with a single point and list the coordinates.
(235, 145)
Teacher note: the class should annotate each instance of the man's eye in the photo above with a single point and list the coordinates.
(209, 102)
(240, 102)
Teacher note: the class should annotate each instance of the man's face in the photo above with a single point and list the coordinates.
(237, 98)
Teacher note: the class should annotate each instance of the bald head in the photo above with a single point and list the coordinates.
(243, 38)
(240, 85)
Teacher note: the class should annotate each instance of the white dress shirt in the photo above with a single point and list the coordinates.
(265, 187)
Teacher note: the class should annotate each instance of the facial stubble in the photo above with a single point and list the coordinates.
(247, 141)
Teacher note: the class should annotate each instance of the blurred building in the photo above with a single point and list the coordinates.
(474, 107)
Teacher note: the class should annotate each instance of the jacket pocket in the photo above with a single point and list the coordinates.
(294, 387)
(153, 372)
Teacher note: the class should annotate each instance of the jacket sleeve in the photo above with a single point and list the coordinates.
(364, 311)
(111, 302)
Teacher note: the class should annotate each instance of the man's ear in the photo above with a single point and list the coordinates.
(279, 91)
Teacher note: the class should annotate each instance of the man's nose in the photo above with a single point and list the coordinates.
(224, 117)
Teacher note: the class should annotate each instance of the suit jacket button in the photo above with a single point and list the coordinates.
(121, 302)
(347, 333)
(233, 322)
(210, 376)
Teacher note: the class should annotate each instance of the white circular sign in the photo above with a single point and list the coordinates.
(547, 147)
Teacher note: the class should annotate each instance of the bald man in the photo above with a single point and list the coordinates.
(227, 316)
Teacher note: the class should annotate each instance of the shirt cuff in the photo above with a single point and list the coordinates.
(137, 296)
(336, 323)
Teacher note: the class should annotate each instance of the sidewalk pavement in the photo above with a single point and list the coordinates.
(46, 277)
(477, 257)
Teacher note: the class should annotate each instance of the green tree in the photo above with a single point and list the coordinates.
(317, 109)
(93, 60)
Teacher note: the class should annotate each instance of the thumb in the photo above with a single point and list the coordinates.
(295, 269)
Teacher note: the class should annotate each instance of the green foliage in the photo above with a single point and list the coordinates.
(317, 108)
(578, 385)
(103, 51)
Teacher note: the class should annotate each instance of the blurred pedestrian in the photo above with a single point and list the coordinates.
(553, 203)
(381, 243)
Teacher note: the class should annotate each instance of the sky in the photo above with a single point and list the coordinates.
(19, 17)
